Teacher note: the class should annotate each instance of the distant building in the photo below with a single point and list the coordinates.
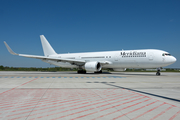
(155, 69)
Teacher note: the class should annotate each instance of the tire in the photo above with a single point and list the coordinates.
(158, 73)
(81, 72)
(98, 71)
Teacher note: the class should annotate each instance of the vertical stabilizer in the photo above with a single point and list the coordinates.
(48, 50)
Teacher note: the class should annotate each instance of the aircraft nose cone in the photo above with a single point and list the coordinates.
(170, 60)
(174, 59)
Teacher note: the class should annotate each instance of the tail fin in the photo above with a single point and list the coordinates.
(48, 50)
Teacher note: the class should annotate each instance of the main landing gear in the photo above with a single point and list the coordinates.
(84, 71)
(158, 72)
(98, 71)
(81, 71)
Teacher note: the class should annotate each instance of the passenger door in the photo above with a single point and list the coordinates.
(150, 56)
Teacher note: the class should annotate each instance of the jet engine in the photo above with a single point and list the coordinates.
(92, 66)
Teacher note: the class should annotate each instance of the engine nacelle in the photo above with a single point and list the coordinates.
(119, 69)
(92, 66)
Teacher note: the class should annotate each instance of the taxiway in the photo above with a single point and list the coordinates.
(67, 95)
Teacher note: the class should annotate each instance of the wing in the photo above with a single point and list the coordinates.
(9, 49)
(72, 61)
(53, 58)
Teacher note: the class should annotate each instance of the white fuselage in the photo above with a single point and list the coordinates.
(147, 58)
(95, 61)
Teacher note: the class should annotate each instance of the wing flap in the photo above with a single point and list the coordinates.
(51, 58)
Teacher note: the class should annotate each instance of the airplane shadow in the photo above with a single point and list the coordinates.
(136, 74)
(60, 73)
(91, 73)
(168, 98)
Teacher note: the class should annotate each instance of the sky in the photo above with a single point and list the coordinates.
(87, 26)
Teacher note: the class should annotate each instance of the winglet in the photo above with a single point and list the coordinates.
(9, 49)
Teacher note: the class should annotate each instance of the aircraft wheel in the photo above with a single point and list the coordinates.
(81, 72)
(158, 73)
(98, 71)
(84, 71)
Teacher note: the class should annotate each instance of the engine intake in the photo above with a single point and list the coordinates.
(92, 66)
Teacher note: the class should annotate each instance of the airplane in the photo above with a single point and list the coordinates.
(95, 61)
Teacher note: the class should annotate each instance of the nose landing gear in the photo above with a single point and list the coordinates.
(158, 72)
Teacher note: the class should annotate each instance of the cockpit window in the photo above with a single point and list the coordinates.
(166, 54)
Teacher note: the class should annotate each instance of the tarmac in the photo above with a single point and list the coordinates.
(106, 96)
